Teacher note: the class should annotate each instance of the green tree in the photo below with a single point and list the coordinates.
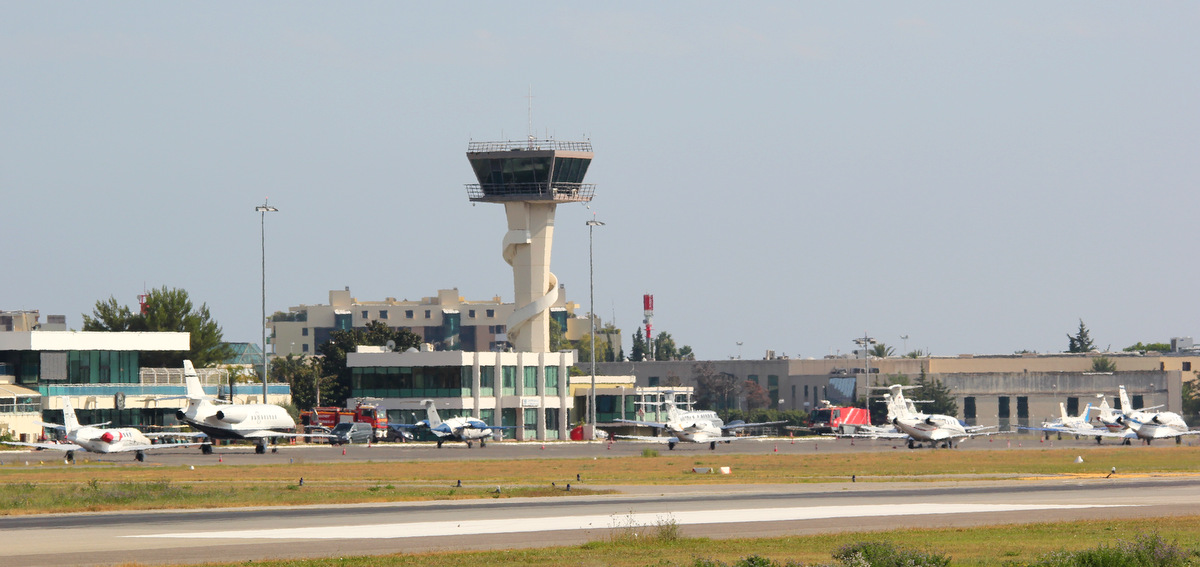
(640, 349)
(685, 353)
(558, 339)
(1149, 347)
(1081, 341)
(917, 354)
(167, 310)
(881, 350)
(1103, 364)
(664, 347)
(333, 352)
(305, 375)
(938, 397)
(1191, 399)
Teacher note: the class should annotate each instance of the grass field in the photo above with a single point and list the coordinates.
(995, 546)
(105, 486)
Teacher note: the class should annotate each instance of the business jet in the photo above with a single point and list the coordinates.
(260, 423)
(921, 428)
(95, 439)
(465, 429)
(1066, 423)
(692, 426)
(1149, 425)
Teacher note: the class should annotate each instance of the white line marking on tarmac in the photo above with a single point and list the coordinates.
(609, 521)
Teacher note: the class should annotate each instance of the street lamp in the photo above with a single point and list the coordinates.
(865, 342)
(592, 316)
(264, 209)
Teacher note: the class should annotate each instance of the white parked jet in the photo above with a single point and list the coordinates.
(466, 429)
(921, 427)
(1148, 425)
(692, 426)
(1066, 423)
(218, 420)
(95, 439)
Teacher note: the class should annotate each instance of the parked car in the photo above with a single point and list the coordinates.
(349, 433)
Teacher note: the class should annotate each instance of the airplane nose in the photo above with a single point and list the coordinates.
(180, 415)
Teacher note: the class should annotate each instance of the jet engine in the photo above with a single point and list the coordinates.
(233, 415)
(111, 436)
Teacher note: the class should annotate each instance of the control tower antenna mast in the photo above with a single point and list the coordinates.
(530, 178)
(529, 131)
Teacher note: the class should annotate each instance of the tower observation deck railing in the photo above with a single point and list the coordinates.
(546, 191)
(514, 145)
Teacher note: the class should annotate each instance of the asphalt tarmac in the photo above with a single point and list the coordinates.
(315, 453)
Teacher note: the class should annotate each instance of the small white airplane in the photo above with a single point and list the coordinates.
(1149, 425)
(466, 429)
(920, 427)
(260, 423)
(1066, 423)
(692, 426)
(95, 439)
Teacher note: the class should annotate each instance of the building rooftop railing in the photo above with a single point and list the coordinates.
(559, 192)
(479, 147)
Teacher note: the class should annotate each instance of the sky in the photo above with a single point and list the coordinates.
(786, 176)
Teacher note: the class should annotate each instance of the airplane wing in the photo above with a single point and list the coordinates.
(645, 423)
(730, 426)
(154, 447)
(194, 434)
(649, 439)
(871, 435)
(269, 434)
(51, 446)
(1101, 432)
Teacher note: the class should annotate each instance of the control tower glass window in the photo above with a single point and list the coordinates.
(512, 170)
(570, 170)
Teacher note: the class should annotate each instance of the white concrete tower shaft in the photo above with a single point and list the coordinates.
(527, 248)
(530, 177)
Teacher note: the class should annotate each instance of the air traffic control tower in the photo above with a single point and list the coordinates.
(530, 178)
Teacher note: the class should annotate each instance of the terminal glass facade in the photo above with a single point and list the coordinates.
(412, 382)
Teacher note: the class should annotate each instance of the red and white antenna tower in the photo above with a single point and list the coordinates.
(648, 313)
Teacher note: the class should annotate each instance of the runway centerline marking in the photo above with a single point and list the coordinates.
(610, 521)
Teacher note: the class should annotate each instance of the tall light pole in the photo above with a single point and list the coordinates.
(592, 316)
(264, 209)
(865, 342)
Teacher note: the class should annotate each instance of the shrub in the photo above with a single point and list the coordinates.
(1145, 551)
(887, 554)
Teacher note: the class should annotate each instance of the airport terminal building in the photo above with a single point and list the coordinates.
(1003, 390)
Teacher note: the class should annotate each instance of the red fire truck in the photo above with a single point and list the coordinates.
(830, 419)
(363, 412)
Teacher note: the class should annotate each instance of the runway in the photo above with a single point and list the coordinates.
(162, 537)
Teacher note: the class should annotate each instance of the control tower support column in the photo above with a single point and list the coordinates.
(531, 178)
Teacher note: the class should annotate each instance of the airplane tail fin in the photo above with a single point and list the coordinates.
(70, 422)
(194, 390)
(431, 413)
(897, 406)
(1125, 406)
(1062, 408)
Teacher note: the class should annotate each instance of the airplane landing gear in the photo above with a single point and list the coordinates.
(469, 444)
(482, 443)
(910, 444)
(260, 449)
(206, 449)
(670, 445)
(140, 456)
(71, 456)
(712, 446)
(439, 443)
